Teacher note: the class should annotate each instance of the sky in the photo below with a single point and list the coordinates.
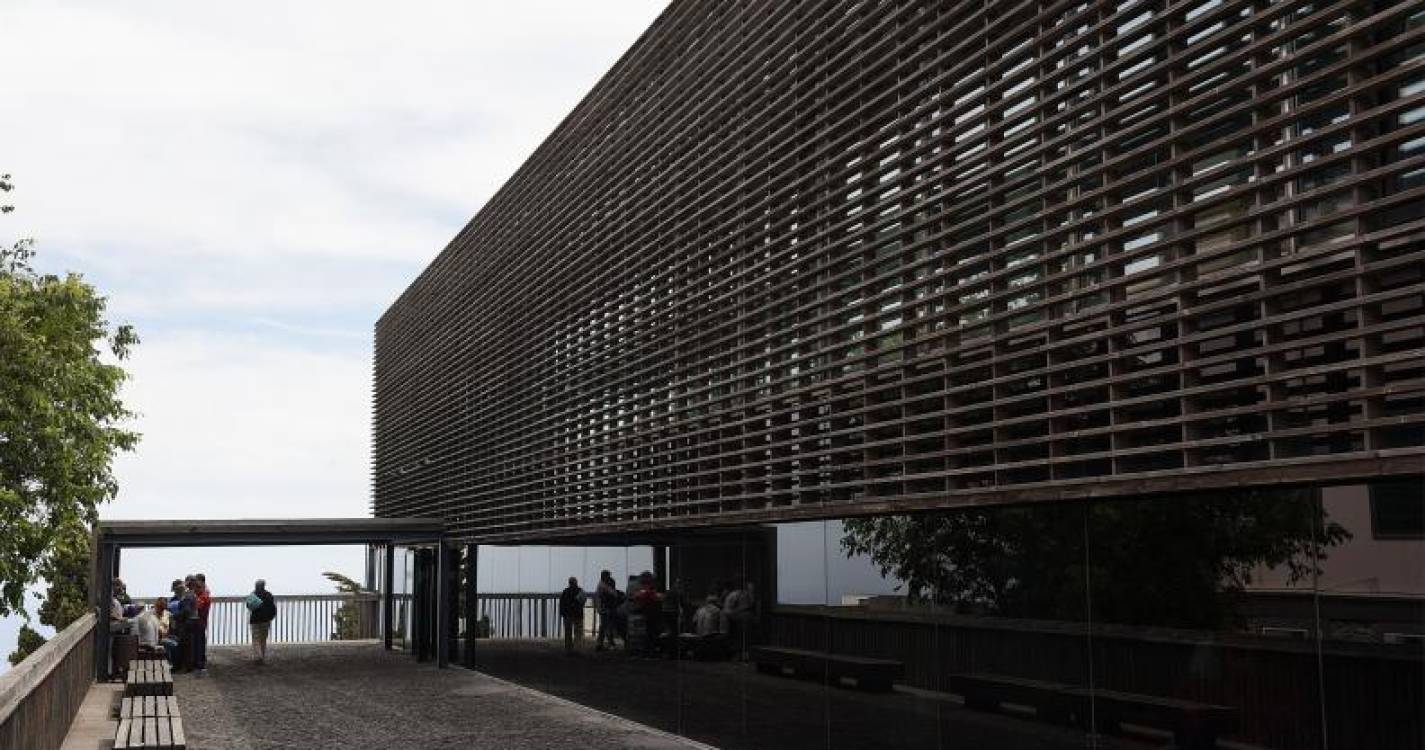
(252, 190)
(251, 186)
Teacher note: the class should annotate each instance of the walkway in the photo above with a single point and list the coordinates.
(355, 696)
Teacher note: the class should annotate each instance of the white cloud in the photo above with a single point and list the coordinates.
(338, 129)
(235, 425)
(252, 186)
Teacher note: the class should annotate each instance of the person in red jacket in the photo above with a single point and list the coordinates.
(200, 632)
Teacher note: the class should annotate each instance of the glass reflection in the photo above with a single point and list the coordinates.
(1005, 591)
(1284, 619)
(1204, 614)
(878, 662)
(1371, 604)
(709, 574)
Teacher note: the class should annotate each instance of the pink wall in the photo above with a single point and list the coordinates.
(1363, 564)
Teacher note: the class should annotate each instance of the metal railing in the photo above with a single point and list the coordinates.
(301, 618)
(529, 615)
(520, 615)
(311, 618)
(41, 695)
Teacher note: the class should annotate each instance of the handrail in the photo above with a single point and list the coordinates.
(301, 618)
(40, 696)
(309, 618)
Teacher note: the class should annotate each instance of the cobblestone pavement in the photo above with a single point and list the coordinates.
(355, 695)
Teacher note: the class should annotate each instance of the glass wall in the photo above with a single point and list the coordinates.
(1283, 619)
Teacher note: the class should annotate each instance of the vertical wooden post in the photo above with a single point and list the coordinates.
(106, 563)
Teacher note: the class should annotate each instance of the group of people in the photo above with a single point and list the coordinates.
(176, 627)
(650, 621)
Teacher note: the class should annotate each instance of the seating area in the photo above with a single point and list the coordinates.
(876, 675)
(1195, 726)
(148, 677)
(148, 712)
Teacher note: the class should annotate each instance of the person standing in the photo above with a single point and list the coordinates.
(263, 610)
(645, 608)
(735, 606)
(183, 608)
(203, 602)
(607, 598)
(188, 614)
(571, 609)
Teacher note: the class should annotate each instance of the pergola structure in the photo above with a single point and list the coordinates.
(112, 537)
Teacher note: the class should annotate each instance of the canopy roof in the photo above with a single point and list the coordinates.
(265, 532)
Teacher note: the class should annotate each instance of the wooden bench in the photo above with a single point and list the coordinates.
(139, 706)
(1051, 701)
(868, 674)
(1195, 726)
(150, 731)
(149, 721)
(149, 677)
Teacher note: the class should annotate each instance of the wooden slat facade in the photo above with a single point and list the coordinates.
(810, 260)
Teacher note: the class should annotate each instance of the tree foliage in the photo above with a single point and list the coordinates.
(1172, 562)
(346, 620)
(61, 424)
(30, 641)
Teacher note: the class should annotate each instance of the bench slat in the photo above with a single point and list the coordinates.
(156, 724)
(869, 673)
(1194, 724)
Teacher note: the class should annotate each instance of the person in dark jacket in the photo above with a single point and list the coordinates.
(182, 609)
(262, 610)
(608, 598)
(571, 609)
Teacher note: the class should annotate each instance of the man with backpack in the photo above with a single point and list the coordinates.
(263, 610)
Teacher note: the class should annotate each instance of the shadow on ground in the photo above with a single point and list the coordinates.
(730, 705)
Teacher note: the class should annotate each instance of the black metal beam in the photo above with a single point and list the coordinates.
(470, 600)
(444, 599)
(388, 597)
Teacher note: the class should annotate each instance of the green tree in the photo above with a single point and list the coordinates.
(29, 641)
(1171, 562)
(61, 424)
(346, 620)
